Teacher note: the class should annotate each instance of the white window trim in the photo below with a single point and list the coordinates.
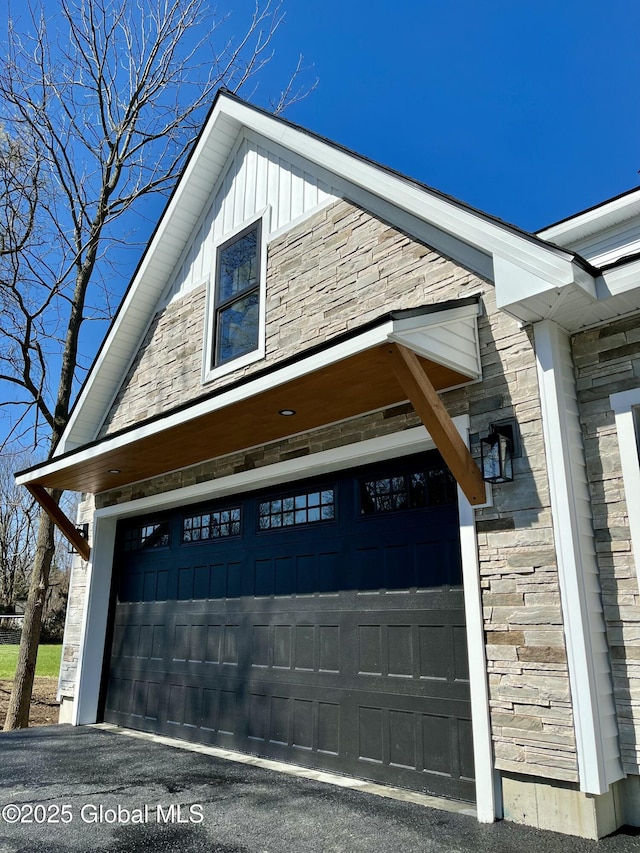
(623, 403)
(210, 373)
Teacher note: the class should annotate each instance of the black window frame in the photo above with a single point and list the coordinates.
(367, 501)
(289, 495)
(220, 306)
(132, 539)
(211, 510)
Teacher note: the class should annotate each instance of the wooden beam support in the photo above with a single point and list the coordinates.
(434, 416)
(64, 524)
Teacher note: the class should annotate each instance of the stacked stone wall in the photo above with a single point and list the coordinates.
(607, 360)
(75, 608)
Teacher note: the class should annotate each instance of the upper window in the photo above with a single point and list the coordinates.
(214, 524)
(235, 318)
(237, 308)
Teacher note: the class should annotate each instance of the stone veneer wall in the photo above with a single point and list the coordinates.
(75, 607)
(337, 270)
(607, 360)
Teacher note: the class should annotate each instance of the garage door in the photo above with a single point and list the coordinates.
(319, 623)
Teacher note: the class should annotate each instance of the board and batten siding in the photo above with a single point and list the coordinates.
(607, 361)
(256, 177)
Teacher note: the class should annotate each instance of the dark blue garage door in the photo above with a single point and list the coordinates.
(319, 623)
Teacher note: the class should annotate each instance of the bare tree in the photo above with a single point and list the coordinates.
(104, 102)
(18, 518)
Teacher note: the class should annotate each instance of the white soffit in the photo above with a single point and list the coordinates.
(572, 307)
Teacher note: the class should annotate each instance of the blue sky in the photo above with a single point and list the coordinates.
(527, 110)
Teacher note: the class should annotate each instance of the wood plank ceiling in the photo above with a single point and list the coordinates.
(361, 383)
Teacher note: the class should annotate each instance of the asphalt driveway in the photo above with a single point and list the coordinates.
(65, 789)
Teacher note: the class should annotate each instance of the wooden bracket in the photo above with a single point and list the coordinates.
(434, 416)
(61, 521)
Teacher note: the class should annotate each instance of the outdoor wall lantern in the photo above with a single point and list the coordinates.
(496, 452)
(83, 530)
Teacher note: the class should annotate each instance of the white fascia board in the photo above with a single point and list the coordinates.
(550, 262)
(605, 215)
(619, 279)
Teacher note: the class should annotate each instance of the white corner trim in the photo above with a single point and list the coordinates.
(591, 688)
(486, 787)
(623, 404)
(94, 623)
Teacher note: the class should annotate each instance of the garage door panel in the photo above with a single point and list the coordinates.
(369, 643)
(328, 634)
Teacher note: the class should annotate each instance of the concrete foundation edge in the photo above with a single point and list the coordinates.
(66, 709)
(561, 807)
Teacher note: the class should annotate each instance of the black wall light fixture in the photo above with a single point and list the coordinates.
(497, 452)
(83, 530)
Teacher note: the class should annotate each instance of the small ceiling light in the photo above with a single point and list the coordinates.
(114, 470)
(286, 413)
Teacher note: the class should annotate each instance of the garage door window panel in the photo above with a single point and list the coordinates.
(212, 524)
(297, 509)
(411, 490)
(147, 535)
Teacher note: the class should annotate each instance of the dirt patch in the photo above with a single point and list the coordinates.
(44, 707)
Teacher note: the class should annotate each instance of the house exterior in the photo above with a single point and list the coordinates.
(291, 551)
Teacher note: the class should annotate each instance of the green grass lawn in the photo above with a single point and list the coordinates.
(48, 661)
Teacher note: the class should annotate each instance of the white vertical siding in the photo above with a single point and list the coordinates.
(588, 654)
(256, 176)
